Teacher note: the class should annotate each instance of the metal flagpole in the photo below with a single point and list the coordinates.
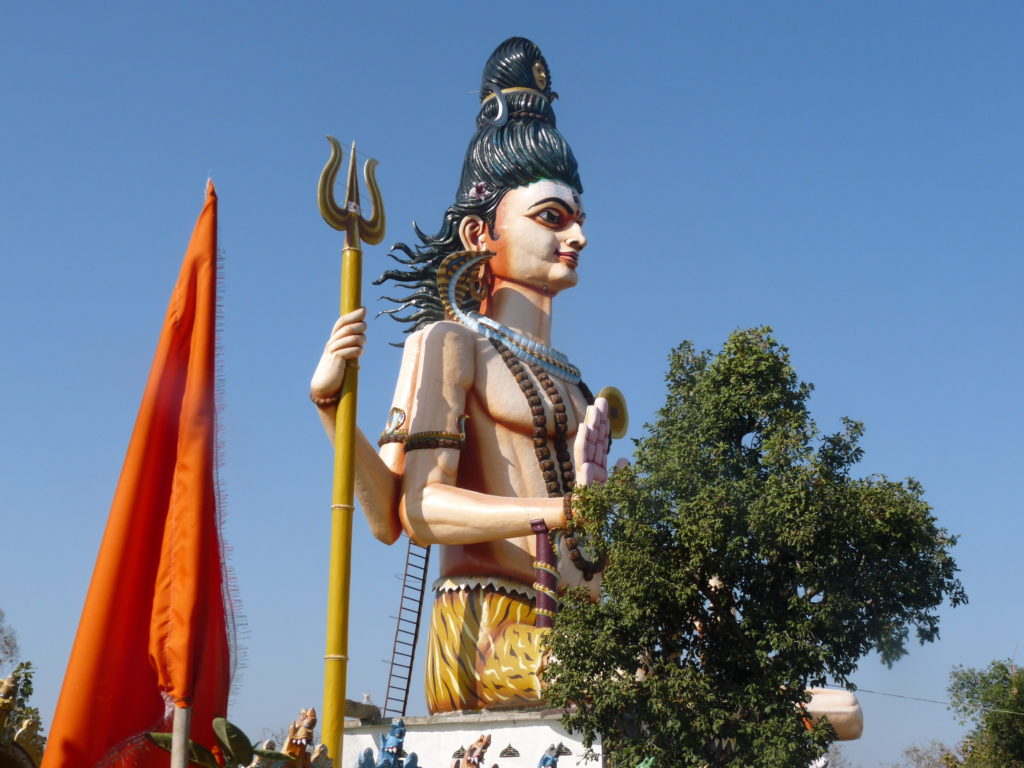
(179, 736)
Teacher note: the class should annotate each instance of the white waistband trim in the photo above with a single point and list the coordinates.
(457, 583)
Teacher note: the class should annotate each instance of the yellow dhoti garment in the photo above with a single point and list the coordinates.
(484, 650)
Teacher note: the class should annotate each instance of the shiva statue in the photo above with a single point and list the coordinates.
(491, 428)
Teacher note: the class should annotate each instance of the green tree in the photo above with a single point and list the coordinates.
(746, 563)
(993, 700)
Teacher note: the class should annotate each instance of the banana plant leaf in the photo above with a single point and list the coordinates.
(198, 755)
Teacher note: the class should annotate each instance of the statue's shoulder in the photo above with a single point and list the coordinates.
(444, 332)
(446, 342)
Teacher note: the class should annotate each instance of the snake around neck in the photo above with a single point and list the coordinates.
(453, 284)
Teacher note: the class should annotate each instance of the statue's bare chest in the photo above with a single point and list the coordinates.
(518, 398)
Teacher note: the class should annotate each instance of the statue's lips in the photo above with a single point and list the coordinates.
(570, 258)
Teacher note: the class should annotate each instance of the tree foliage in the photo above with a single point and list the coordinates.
(933, 755)
(993, 700)
(8, 643)
(746, 563)
(837, 758)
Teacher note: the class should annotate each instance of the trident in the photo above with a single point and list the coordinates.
(348, 219)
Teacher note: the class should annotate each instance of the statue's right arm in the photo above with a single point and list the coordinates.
(377, 482)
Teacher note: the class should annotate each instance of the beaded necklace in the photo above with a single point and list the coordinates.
(552, 485)
(567, 473)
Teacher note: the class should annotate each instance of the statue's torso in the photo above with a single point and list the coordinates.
(499, 457)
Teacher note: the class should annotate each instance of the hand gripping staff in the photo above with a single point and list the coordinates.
(348, 219)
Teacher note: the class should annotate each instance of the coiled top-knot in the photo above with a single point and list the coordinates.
(516, 85)
(516, 141)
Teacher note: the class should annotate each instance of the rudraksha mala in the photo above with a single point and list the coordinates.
(567, 473)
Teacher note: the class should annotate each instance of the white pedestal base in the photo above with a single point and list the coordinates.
(436, 738)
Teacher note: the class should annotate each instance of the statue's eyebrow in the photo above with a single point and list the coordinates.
(568, 209)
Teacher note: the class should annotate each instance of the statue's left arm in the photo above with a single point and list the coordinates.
(433, 509)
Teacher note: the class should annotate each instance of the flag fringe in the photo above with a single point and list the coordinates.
(234, 618)
(130, 752)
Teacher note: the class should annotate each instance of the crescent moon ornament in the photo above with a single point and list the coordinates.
(502, 117)
(618, 414)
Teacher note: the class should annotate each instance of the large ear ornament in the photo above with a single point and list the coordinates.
(455, 277)
(480, 286)
(502, 117)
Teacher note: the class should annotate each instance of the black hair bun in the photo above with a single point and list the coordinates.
(516, 84)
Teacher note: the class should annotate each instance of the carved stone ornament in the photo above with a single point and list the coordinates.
(540, 74)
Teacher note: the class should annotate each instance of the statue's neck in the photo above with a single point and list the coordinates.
(521, 307)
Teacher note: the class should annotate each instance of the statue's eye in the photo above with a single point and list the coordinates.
(549, 216)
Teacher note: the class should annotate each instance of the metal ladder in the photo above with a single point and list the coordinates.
(407, 629)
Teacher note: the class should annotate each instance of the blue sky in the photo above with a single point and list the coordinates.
(849, 173)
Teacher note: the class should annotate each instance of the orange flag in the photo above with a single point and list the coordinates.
(155, 628)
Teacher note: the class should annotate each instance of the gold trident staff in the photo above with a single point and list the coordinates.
(356, 228)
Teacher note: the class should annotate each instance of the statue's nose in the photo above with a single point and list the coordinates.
(575, 237)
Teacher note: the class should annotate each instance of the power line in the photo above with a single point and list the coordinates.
(935, 701)
(901, 696)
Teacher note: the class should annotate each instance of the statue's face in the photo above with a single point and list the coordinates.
(539, 231)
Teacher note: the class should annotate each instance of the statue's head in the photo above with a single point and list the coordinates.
(516, 141)
(516, 144)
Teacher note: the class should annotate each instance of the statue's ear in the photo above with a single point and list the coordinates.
(471, 231)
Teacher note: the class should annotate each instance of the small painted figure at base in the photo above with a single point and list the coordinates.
(491, 427)
(390, 751)
(8, 691)
(299, 740)
(550, 758)
(474, 754)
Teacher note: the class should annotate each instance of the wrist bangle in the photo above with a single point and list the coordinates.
(325, 401)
